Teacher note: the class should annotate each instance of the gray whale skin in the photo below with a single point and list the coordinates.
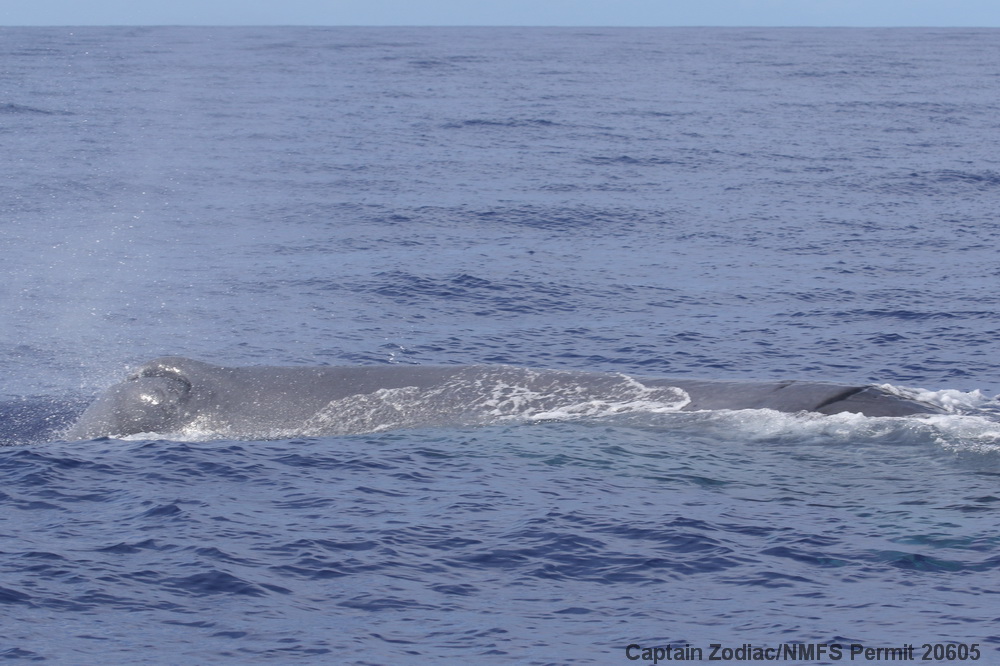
(265, 402)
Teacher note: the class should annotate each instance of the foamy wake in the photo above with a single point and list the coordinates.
(951, 400)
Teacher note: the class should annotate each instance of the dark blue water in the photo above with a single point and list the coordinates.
(746, 204)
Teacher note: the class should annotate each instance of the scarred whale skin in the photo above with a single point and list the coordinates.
(170, 394)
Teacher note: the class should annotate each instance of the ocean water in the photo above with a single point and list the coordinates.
(816, 204)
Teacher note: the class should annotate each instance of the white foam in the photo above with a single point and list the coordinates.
(965, 432)
(951, 400)
(955, 432)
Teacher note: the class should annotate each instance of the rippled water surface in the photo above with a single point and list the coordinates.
(716, 203)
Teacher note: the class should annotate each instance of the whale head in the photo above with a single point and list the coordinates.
(139, 404)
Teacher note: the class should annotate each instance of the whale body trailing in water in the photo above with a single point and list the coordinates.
(176, 395)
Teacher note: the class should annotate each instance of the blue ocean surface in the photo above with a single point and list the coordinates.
(814, 204)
